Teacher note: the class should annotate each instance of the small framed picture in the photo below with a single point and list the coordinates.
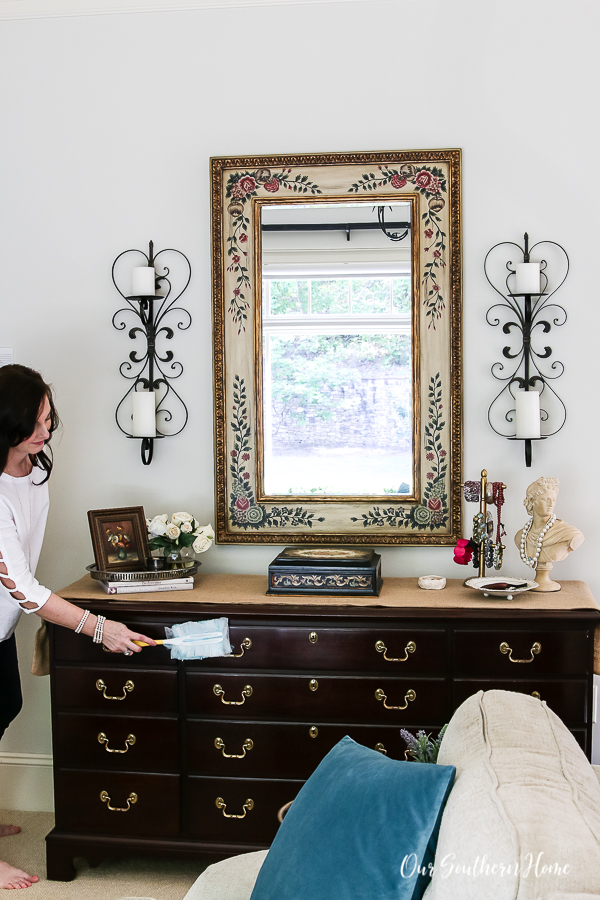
(119, 538)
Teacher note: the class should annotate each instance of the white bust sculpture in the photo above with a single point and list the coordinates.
(545, 539)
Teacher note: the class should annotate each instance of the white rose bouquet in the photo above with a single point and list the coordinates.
(181, 530)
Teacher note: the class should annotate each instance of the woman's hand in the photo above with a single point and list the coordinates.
(119, 639)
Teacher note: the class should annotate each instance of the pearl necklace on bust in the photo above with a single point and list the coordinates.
(532, 560)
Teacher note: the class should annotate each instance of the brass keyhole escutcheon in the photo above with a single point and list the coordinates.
(313, 731)
(313, 637)
(313, 684)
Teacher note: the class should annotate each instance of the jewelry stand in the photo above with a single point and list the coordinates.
(483, 505)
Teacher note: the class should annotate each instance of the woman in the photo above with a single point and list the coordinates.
(27, 420)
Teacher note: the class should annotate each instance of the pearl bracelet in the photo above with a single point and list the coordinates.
(99, 629)
(82, 622)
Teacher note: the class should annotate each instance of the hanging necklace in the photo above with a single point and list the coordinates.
(532, 560)
(27, 523)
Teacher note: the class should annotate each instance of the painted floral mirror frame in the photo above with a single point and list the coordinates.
(240, 185)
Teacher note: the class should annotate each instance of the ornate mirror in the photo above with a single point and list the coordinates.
(337, 305)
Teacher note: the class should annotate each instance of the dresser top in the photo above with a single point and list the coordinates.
(398, 596)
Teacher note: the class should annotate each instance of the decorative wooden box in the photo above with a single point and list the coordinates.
(326, 570)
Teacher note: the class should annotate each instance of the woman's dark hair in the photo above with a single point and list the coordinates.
(22, 393)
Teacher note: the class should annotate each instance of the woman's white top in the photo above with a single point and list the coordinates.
(23, 513)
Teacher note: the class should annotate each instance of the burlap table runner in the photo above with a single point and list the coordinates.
(396, 593)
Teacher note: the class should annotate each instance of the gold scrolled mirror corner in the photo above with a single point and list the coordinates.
(337, 348)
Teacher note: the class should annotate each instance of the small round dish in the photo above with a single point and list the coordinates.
(513, 587)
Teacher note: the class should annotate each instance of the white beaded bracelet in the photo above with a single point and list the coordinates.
(99, 629)
(82, 622)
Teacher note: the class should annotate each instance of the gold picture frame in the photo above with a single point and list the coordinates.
(241, 187)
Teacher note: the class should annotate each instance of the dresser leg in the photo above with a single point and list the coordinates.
(59, 861)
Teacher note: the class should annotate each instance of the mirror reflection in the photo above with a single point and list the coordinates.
(337, 373)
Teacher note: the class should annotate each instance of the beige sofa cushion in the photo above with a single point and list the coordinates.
(523, 819)
(230, 879)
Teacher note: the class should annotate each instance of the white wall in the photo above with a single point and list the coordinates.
(108, 124)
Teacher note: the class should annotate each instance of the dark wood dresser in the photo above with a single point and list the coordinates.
(190, 759)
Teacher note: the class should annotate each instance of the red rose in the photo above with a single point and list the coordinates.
(397, 181)
(429, 456)
(428, 233)
(242, 503)
(236, 192)
(236, 292)
(243, 238)
(233, 453)
(247, 184)
(434, 503)
(236, 259)
(272, 185)
(246, 456)
(423, 179)
(436, 287)
(437, 254)
(463, 552)
(246, 476)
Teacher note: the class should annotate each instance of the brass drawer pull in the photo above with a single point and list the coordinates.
(536, 694)
(245, 645)
(247, 745)
(504, 648)
(410, 648)
(101, 686)
(129, 742)
(220, 804)
(131, 799)
(247, 692)
(408, 697)
(381, 749)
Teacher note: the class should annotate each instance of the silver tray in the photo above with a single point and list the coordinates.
(147, 575)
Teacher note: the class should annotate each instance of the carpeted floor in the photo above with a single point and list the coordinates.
(117, 880)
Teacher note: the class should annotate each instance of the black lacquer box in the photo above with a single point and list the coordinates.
(326, 570)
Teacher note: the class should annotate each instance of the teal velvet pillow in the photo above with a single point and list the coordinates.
(363, 827)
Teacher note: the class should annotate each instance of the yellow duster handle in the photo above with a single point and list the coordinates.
(144, 644)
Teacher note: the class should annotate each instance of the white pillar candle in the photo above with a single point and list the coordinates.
(528, 414)
(144, 414)
(527, 278)
(143, 281)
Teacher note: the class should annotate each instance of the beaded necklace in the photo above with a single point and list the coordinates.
(532, 560)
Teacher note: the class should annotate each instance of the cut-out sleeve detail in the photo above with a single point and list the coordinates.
(17, 584)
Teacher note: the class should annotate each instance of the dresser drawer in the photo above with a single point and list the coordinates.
(120, 743)
(268, 750)
(396, 651)
(115, 690)
(568, 699)
(258, 825)
(71, 647)
(561, 652)
(80, 807)
(347, 699)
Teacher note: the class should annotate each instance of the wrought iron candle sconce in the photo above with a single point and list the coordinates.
(526, 289)
(150, 369)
